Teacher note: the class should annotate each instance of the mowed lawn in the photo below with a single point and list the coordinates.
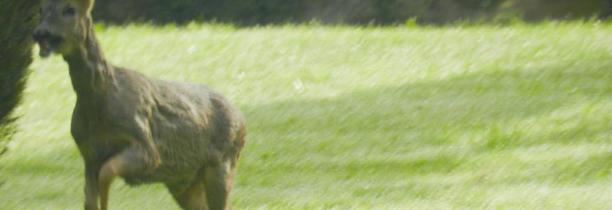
(472, 117)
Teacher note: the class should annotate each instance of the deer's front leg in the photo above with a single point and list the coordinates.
(91, 186)
(140, 134)
(92, 170)
(131, 162)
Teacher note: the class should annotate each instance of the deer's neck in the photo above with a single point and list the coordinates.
(90, 73)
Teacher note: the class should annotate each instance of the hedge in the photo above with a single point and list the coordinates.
(248, 12)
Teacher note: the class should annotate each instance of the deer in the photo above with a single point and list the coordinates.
(126, 125)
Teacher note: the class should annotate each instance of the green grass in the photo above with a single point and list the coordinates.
(474, 117)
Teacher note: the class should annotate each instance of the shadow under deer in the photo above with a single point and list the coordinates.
(127, 125)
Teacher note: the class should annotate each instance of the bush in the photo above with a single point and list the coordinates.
(248, 12)
(561, 9)
(18, 21)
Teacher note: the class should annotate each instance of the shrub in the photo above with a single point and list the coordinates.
(339, 11)
(18, 21)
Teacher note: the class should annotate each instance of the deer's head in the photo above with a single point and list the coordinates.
(64, 26)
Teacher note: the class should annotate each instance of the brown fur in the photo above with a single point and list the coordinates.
(186, 136)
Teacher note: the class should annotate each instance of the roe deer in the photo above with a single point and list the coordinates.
(185, 136)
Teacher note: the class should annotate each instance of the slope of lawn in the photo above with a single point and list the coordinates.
(474, 117)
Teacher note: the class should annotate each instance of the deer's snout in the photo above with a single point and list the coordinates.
(47, 41)
(40, 34)
(43, 33)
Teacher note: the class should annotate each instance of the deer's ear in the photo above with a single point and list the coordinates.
(88, 4)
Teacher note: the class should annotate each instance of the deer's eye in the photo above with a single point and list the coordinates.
(69, 11)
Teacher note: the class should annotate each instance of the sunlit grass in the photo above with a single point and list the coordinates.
(478, 117)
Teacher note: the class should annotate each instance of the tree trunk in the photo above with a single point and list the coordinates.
(18, 20)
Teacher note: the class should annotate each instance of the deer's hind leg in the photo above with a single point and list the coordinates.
(218, 183)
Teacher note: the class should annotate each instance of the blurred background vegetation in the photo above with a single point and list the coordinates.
(250, 12)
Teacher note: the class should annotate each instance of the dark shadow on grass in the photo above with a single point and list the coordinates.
(419, 127)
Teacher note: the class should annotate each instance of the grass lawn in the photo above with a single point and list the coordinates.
(473, 117)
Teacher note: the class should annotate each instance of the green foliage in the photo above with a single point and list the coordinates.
(464, 117)
(17, 21)
(163, 11)
(251, 12)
